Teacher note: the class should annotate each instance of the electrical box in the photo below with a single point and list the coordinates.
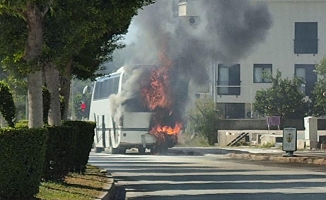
(311, 128)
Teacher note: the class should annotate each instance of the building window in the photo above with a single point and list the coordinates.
(260, 73)
(228, 79)
(306, 38)
(232, 110)
(306, 72)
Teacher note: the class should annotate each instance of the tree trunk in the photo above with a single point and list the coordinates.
(65, 88)
(35, 104)
(52, 84)
(33, 50)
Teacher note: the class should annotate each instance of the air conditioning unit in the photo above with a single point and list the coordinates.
(191, 20)
(188, 12)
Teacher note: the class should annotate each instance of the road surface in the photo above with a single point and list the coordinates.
(193, 177)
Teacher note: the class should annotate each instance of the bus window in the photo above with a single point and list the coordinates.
(103, 89)
(115, 85)
(97, 90)
(106, 89)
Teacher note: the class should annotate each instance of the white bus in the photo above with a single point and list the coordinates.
(117, 129)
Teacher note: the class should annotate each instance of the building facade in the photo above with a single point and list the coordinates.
(295, 43)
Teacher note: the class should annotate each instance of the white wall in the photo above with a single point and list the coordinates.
(278, 48)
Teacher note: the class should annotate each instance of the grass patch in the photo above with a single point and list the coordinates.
(78, 187)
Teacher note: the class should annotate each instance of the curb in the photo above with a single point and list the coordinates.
(279, 159)
(109, 188)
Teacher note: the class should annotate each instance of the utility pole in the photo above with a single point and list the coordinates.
(214, 84)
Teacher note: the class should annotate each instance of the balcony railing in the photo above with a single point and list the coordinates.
(225, 89)
(309, 46)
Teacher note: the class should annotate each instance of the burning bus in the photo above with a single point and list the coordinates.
(142, 117)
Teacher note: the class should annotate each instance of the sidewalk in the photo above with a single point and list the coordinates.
(317, 157)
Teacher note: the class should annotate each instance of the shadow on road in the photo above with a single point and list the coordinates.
(159, 178)
(240, 196)
(179, 179)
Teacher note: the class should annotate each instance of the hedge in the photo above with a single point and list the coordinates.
(85, 139)
(60, 151)
(22, 153)
(67, 149)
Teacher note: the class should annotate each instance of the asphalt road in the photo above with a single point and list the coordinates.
(211, 177)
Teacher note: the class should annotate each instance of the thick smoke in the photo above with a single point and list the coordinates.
(225, 31)
(130, 93)
(239, 27)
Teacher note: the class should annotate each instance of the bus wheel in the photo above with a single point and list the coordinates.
(160, 150)
(122, 151)
(113, 150)
(154, 151)
(141, 150)
(99, 149)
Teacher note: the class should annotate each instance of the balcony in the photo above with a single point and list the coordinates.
(307, 46)
(223, 88)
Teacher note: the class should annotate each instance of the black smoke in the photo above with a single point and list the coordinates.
(225, 31)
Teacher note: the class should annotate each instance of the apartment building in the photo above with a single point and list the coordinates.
(295, 43)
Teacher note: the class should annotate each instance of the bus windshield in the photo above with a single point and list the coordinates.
(105, 87)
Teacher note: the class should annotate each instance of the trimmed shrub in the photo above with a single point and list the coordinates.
(22, 153)
(59, 153)
(7, 105)
(85, 139)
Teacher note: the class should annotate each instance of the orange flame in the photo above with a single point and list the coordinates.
(167, 129)
(158, 95)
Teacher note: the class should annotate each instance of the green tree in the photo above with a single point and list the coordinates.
(29, 16)
(78, 99)
(78, 46)
(18, 88)
(203, 119)
(283, 99)
(74, 29)
(318, 98)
